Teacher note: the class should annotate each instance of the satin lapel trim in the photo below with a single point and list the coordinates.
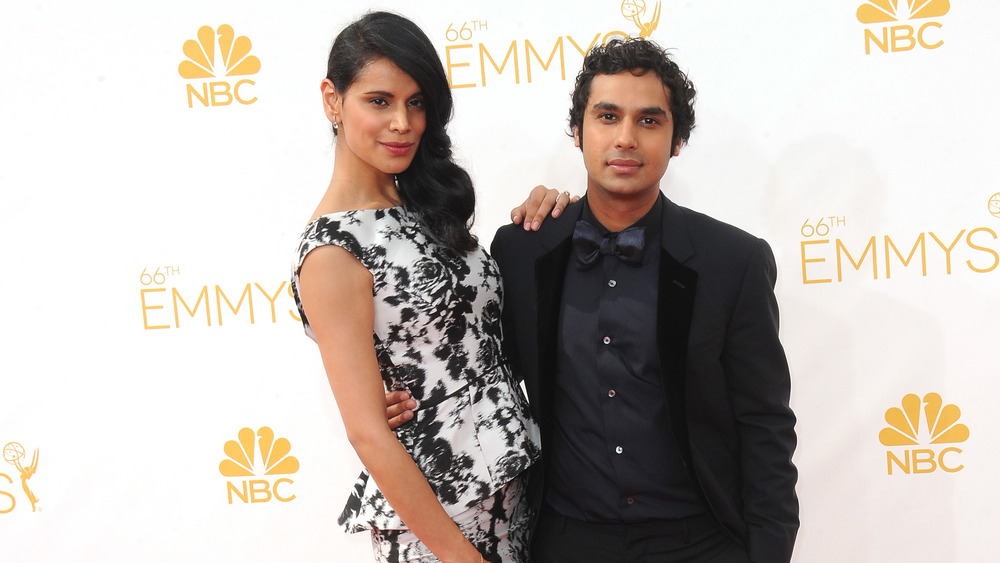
(550, 272)
(675, 308)
(675, 237)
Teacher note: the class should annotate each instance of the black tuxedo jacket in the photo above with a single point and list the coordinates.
(725, 378)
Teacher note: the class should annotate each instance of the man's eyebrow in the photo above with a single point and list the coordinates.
(606, 106)
(653, 110)
(612, 107)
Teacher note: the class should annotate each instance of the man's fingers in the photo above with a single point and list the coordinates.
(397, 421)
(402, 408)
(393, 397)
(399, 408)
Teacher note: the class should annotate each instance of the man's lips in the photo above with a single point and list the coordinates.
(624, 165)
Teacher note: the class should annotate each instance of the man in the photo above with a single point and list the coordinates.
(647, 338)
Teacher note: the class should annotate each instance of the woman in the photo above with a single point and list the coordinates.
(397, 293)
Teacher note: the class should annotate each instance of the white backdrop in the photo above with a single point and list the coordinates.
(862, 150)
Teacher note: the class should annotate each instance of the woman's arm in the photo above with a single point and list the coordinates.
(336, 294)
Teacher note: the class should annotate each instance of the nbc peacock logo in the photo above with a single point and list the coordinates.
(258, 455)
(936, 430)
(894, 36)
(216, 58)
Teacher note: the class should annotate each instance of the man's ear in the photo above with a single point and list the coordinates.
(677, 148)
(576, 138)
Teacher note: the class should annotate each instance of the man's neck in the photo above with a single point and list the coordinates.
(617, 213)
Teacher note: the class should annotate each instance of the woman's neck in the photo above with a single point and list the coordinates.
(346, 192)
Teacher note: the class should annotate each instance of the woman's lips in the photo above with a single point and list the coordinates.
(398, 149)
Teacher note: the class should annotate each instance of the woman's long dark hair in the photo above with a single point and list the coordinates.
(434, 187)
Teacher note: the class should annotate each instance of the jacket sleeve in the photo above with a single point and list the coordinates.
(760, 386)
(497, 250)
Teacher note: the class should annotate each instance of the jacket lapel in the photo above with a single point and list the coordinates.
(675, 305)
(550, 271)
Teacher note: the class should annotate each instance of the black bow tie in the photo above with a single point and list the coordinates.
(589, 244)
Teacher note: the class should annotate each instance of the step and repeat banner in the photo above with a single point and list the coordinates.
(160, 402)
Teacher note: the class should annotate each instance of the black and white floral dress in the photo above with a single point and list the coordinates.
(437, 335)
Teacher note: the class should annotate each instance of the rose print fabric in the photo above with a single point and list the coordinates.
(437, 336)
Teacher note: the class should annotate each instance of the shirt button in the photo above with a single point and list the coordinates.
(618, 450)
(607, 340)
(629, 500)
(612, 283)
(611, 393)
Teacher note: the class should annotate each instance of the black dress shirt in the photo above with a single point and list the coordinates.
(613, 457)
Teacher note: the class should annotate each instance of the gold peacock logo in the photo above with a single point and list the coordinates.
(234, 54)
(242, 455)
(941, 423)
(883, 11)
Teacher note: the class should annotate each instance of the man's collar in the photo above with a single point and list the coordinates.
(651, 220)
